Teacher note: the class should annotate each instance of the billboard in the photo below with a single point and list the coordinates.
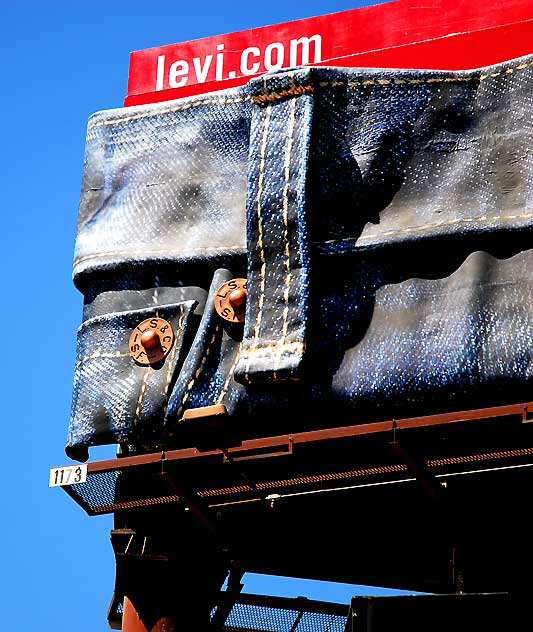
(442, 34)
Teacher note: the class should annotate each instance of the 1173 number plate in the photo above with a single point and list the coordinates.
(68, 475)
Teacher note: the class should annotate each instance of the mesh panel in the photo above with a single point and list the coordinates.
(112, 490)
(321, 622)
(99, 489)
(250, 617)
(257, 613)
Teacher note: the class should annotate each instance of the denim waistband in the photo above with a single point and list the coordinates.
(390, 155)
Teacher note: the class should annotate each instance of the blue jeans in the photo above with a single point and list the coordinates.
(383, 221)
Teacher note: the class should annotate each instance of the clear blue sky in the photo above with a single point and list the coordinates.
(61, 61)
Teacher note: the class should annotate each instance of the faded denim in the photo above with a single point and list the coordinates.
(382, 217)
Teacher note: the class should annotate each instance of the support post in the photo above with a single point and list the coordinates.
(132, 622)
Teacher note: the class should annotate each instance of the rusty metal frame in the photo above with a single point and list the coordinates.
(420, 471)
(285, 444)
(200, 500)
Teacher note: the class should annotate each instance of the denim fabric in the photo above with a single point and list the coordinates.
(382, 218)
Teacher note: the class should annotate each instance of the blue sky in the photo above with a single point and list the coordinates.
(61, 61)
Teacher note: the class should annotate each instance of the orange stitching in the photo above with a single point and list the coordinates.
(297, 345)
(282, 94)
(288, 156)
(260, 229)
(285, 206)
(269, 97)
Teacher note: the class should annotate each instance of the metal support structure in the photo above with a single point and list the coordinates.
(456, 571)
(232, 591)
(149, 606)
(169, 571)
(132, 621)
(437, 493)
(239, 472)
(167, 596)
(418, 468)
(282, 444)
(192, 502)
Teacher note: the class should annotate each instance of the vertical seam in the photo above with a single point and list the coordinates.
(171, 359)
(260, 244)
(285, 207)
(155, 297)
(198, 371)
(230, 375)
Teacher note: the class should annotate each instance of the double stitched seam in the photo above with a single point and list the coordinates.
(172, 357)
(396, 82)
(262, 98)
(175, 108)
(272, 96)
(198, 371)
(401, 82)
(288, 347)
(230, 375)
(285, 206)
(295, 91)
(93, 356)
(118, 317)
(260, 245)
(156, 296)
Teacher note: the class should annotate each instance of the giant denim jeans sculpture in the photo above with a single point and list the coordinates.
(383, 219)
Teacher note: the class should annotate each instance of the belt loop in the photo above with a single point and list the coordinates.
(277, 229)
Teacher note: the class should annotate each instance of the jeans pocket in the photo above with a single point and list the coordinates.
(116, 399)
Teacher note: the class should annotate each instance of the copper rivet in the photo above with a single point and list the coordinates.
(150, 340)
(230, 299)
(237, 297)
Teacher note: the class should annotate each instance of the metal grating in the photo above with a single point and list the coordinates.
(250, 617)
(99, 494)
(321, 461)
(98, 491)
(259, 613)
(245, 617)
(105, 492)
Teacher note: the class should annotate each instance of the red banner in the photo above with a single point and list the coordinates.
(435, 34)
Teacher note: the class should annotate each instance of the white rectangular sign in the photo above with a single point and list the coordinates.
(68, 475)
